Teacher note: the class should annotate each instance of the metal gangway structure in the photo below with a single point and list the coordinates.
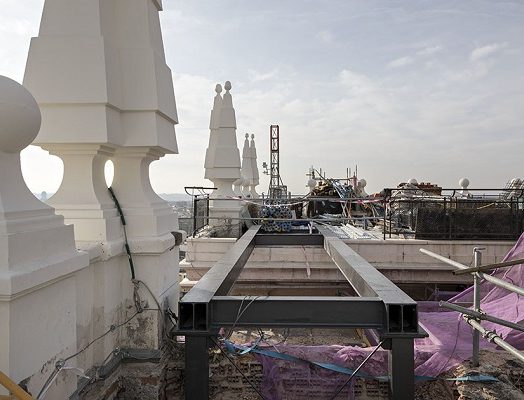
(379, 306)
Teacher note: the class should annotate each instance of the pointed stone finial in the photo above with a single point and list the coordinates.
(228, 100)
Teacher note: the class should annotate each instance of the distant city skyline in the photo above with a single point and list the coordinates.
(426, 90)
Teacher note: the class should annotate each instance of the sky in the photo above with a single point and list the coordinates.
(424, 89)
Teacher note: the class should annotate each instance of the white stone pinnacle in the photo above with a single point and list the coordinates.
(254, 169)
(247, 170)
(222, 162)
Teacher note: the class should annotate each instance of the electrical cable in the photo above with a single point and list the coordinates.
(112, 328)
(237, 368)
(240, 312)
(357, 369)
(126, 243)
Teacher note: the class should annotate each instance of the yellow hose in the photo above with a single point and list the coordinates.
(13, 388)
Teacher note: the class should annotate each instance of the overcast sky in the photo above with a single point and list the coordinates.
(432, 90)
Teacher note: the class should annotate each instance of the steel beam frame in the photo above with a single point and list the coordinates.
(382, 306)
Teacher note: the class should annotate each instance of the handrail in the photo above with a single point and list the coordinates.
(13, 388)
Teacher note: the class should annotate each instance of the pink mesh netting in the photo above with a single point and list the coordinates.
(449, 344)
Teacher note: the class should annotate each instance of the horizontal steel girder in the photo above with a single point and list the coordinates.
(287, 312)
(401, 310)
(219, 280)
(289, 239)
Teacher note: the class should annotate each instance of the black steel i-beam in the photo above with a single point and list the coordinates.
(289, 312)
(401, 315)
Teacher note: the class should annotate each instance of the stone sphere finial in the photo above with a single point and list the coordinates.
(464, 183)
(252, 136)
(227, 86)
(20, 116)
(247, 135)
(218, 88)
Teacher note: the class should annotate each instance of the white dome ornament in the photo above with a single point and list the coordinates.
(464, 183)
(311, 183)
(19, 124)
(20, 116)
(20, 121)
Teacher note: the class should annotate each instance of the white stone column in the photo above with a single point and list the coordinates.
(38, 258)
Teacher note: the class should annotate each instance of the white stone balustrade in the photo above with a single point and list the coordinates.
(38, 258)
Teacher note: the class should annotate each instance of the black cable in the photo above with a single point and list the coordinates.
(238, 369)
(112, 328)
(357, 369)
(126, 243)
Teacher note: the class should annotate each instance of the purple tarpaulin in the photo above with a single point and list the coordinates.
(449, 344)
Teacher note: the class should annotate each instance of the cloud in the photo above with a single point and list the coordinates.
(401, 62)
(325, 36)
(486, 51)
(257, 76)
(428, 51)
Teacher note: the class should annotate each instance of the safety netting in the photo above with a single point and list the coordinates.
(295, 372)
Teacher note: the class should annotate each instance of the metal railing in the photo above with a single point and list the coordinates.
(474, 316)
(449, 216)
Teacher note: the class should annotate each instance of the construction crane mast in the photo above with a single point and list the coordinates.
(277, 189)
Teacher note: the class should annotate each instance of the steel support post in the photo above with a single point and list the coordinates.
(196, 380)
(402, 369)
(476, 306)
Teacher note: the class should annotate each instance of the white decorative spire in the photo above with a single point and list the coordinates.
(222, 156)
(247, 171)
(254, 168)
(99, 73)
(214, 126)
(222, 163)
